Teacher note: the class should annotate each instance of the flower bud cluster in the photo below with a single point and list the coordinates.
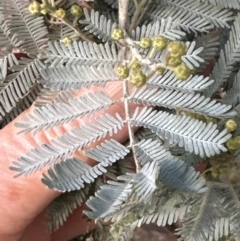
(175, 50)
(37, 8)
(134, 72)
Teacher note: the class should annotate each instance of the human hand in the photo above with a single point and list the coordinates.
(24, 200)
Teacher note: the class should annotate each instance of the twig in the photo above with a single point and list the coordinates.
(53, 3)
(143, 12)
(137, 14)
(77, 30)
(75, 21)
(123, 12)
(45, 2)
(60, 2)
(135, 3)
(207, 170)
(67, 22)
(128, 117)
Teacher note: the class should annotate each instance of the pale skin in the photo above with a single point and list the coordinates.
(24, 200)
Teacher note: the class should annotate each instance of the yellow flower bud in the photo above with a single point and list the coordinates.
(160, 70)
(60, 13)
(232, 144)
(223, 170)
(34, 8)
(76, 10)
(231, 125)
(117, 34)
(122, 72)
(136, 65)
(177, 48)
(174, 61)
(138, 78)
(66, 40)
(237, 140)
(145, 43)
(182, 72)
(215, 174)
(159, 43)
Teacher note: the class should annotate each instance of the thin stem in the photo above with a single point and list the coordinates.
(128, 117)
(137, 14)
(74, 36)
(75, 21)
(143, 12)
(59, 2)
(45, 2)
(162, 65)
(151, 53)
(155, 67)
(207, 170)
(135, 3)
(67, 22)
(123, 12)
(53, 3)
(77, 30)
